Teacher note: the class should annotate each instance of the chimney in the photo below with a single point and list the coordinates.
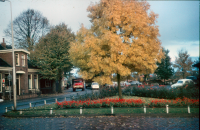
(3, 44)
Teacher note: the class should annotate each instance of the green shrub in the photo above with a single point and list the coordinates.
(189, 91)
(103, 92)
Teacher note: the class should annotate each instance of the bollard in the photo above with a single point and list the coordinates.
(30, 105)
(44, 102)
(188, 109)
(80, 110)
(65, 99)
(167, 108)
(6, 109)
(20, 112)
(12, 108)
(55, 99)
(145, 109)
(51, 111)
(111, 109)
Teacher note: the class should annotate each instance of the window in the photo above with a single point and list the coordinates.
(23, 60)
(30, 81)
(180, 82)
(36, 81)
(17, 59)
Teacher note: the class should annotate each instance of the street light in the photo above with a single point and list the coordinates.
(14, 80)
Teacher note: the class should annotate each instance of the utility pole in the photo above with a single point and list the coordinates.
(13, 58)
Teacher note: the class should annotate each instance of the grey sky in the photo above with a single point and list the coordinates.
(178, 20)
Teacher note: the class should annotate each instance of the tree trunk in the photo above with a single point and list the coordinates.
(119, 86)
(60, 86)
(54, 86)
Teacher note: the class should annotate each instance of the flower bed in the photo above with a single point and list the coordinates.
(127, 103)
(102, 103)
(177, 102)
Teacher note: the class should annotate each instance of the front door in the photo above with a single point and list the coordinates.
(18, 84)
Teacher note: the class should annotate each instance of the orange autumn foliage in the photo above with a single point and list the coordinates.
(123, 38)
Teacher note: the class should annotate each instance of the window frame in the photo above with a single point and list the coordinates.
(36, 86)
(23, 60)
(31, 87)
(17, 59)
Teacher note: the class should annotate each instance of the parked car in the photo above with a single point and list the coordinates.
(115, 83)
(94, 85)
(126, 83)
(135, 83)
(182, 82)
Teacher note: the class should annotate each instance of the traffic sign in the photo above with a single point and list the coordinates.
(3, 80)
(3, 85)
(9, 77)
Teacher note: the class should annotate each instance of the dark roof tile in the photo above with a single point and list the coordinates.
(4, 63)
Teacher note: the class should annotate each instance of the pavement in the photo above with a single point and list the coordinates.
(102, 123)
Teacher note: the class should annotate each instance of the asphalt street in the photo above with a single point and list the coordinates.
(21, 104)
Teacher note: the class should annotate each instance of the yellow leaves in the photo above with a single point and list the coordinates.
(122, 39)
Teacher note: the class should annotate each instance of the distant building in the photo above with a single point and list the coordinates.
(27, 76)
(27, 80)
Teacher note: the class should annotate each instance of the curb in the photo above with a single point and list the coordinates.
(162, 115)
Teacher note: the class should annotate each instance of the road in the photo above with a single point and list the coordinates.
(21, 104)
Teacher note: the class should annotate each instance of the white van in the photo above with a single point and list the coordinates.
(181, 82)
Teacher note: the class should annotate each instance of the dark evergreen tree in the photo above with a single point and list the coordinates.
(164, 70)
(51, 54)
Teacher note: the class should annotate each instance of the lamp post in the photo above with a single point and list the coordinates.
(13, 57)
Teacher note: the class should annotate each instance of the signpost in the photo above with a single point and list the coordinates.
(3, 81)
(9, 78)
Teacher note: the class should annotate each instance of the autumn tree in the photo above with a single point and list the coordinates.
(183, 64)
(28, 27)
(164, 70)
(123, 38)
(51, 54)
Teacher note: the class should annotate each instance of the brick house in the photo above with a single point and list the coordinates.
(27, 79)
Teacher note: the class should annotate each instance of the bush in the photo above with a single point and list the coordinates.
(189, 91)
(103, 92)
